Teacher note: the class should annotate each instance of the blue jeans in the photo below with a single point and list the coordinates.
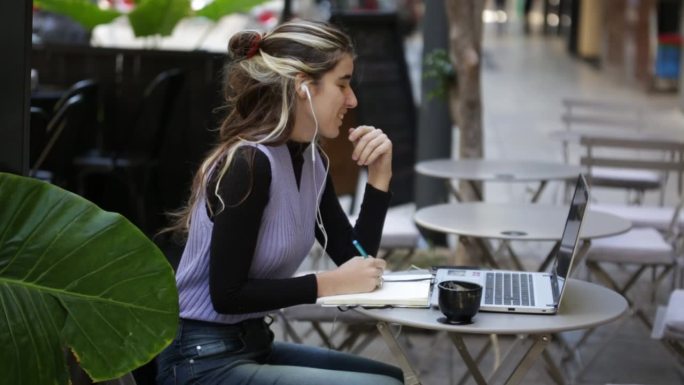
(244, 353)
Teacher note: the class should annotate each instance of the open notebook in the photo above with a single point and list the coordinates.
(392, 293)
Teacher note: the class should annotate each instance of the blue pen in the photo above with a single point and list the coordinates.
(359, 248)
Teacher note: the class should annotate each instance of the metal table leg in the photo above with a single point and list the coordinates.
(519, 359)
(467, 358)
(410, 376)
(514, 257)
(537, 193)
(454, 191)
(516, 363)
(492, 341)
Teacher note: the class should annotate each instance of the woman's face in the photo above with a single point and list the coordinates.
(332, 96)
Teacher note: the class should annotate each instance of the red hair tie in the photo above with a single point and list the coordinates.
(254, 46)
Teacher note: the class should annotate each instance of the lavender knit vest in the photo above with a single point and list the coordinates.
(286, 235)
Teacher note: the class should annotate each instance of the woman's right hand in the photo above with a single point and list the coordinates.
(357, 275)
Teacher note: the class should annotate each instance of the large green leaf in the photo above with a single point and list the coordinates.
(219, 8)
(73, 275)
(157, 17)
(84, 12)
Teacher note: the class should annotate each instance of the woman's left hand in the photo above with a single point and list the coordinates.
(373, 148)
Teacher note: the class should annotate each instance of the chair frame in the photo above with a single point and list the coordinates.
(55, 128)
(610, 119)
(675, 163)
(672, 237)
(358, 333)
(675, 346)
(599, 113)
(136, 168)
(38, 135)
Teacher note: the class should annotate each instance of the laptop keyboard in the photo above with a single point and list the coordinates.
(509, 288)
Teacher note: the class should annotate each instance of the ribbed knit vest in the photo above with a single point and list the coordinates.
(286, 235)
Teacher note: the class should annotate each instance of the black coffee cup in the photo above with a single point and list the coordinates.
(459, 301)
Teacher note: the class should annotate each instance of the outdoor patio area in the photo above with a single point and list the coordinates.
(525, 78)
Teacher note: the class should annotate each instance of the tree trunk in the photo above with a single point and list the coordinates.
(465, 47)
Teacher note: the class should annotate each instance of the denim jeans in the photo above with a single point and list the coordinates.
(244, 353)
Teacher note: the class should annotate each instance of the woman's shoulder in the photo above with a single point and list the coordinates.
(248, 163)
(252, 149)
(252, 156)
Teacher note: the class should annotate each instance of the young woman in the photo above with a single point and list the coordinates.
(259, 201)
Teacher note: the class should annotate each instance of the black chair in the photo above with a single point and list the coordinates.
(54, 160)
(38, 137)
(90, 135)
(135, 159)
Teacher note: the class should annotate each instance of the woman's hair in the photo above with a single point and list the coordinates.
(260, 93)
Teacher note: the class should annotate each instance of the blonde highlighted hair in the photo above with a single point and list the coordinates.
(259, 91)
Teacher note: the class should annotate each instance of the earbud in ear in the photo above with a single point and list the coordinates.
(305, 89)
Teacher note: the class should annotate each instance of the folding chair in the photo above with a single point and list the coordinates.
(135, 160)
(625, 163)
(669, 326)
(38, 137)
(657, 217)
(640, 248)
(54, 161)
(606, 116)
(353, 330)
(612, 120)
(90, 134)
(643, 247)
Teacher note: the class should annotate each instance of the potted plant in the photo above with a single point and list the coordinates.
(73, 276)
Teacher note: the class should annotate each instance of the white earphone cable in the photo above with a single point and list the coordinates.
(313, 113)
(317, 190)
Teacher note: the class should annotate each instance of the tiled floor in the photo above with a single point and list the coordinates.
(524, 80)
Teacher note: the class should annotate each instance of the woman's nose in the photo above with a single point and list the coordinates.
(351, 101)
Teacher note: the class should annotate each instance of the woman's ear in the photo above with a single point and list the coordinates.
(302, 85)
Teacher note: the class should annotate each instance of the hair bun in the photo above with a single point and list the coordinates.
(244, 44)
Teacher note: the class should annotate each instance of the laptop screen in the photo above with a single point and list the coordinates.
(568, 243)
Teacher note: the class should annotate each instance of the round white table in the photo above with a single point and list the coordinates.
(585, 305)
(497, 170)
(516, 222)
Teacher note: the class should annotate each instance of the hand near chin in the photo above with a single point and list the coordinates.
(373, 148)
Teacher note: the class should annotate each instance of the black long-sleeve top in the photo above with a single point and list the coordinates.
(244, 190)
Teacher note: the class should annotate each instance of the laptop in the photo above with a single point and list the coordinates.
(527, 292)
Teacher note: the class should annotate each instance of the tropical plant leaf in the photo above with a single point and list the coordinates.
(73, 275)
(219, 8)
(84, 12)
(157, 17)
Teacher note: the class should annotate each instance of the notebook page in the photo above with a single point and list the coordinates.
(398, 294)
